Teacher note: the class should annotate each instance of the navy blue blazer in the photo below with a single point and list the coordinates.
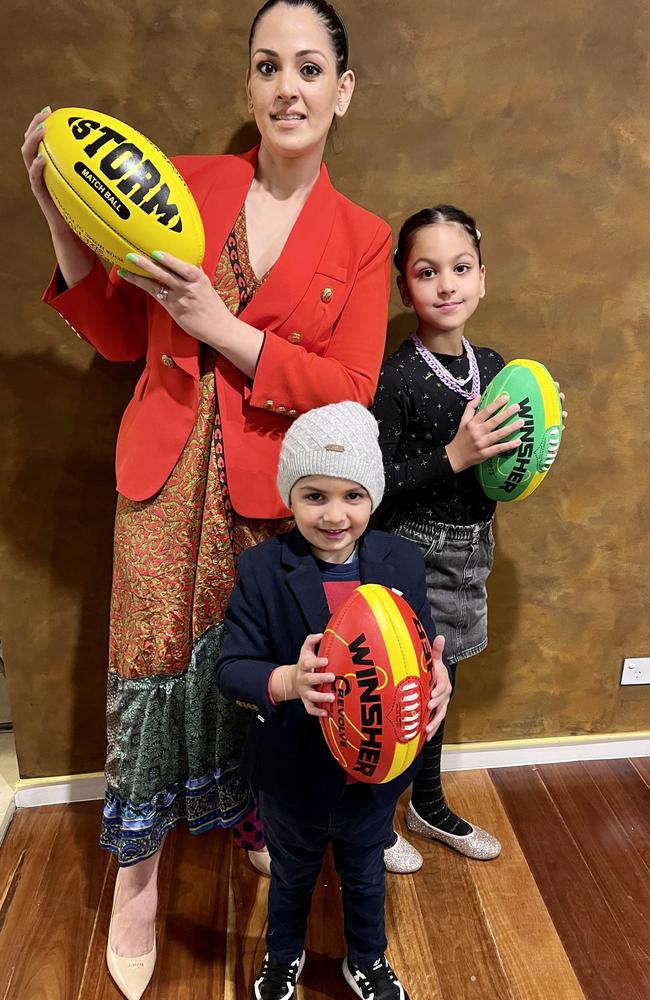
(278, 600)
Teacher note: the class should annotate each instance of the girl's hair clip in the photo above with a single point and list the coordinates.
(478, 233)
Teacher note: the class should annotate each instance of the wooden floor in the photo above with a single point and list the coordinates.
(563, 914)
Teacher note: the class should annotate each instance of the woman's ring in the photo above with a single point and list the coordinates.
(162, 293)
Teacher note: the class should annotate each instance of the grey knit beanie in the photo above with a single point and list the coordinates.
(337, 440)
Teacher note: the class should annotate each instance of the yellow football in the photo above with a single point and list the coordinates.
(116, 189)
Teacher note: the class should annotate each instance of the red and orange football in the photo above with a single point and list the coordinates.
(381, 657)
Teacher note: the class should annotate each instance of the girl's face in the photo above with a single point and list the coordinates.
(292, 83)
(442, 280)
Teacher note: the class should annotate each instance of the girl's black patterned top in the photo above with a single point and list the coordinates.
(418, 415)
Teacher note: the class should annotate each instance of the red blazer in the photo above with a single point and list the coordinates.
(323, 309)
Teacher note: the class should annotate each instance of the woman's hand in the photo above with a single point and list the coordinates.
(184, 290)
(480, 435)
(34, 165)
(302, 679)
(441, 689)
(74, 258)
(187, 294)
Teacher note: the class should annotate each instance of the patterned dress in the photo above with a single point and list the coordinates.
(173, 740)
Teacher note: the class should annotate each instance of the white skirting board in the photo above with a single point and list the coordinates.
(54, 791)
(553, 750)
(455, 757)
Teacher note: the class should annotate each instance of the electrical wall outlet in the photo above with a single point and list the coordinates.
(636, 670)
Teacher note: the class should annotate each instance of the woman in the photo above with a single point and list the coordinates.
(298, 320)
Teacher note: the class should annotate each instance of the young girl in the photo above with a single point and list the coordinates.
(431, 438)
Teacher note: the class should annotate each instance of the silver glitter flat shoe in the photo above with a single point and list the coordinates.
(478, 844)
(402, 858)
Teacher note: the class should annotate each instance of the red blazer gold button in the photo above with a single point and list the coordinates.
(281, 409)
(294, 338)
(292, 413)
(326, 295)
(166, 360)
(268, 405)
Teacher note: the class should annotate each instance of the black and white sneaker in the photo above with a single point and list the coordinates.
(277, 981)
(378, 982)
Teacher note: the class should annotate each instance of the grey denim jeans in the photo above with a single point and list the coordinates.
(458, 561)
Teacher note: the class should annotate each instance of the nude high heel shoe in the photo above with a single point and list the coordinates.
(261, 861)
(130, 975)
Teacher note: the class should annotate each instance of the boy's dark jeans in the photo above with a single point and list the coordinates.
(358, 829)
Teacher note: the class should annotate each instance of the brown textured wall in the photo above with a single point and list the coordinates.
(535, 118)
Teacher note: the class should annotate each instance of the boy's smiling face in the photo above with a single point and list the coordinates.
(331, 514)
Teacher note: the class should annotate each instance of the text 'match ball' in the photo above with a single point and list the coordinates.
(117, 191)
(381, 656)
(514, 475)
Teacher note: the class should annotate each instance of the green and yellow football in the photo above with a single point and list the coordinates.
(514, 475)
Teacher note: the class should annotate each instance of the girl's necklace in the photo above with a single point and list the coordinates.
(445, 376)
(461, 381)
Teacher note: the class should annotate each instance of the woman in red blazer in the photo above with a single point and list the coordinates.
(288, 313)
(316, 328)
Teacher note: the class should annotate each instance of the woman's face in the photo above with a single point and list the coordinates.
(292, 83)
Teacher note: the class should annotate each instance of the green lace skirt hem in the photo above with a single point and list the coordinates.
(173, 747)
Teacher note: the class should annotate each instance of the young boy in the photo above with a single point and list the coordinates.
(331, 476)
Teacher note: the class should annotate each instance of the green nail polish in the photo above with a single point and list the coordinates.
(46, 108)
(158, 255)
(39, 155)
(40, 128)
(132, 258)
(122, 273)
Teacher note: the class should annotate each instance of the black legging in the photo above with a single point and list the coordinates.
(427, 796)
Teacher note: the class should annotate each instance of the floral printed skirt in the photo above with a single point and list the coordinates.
(173, 740)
